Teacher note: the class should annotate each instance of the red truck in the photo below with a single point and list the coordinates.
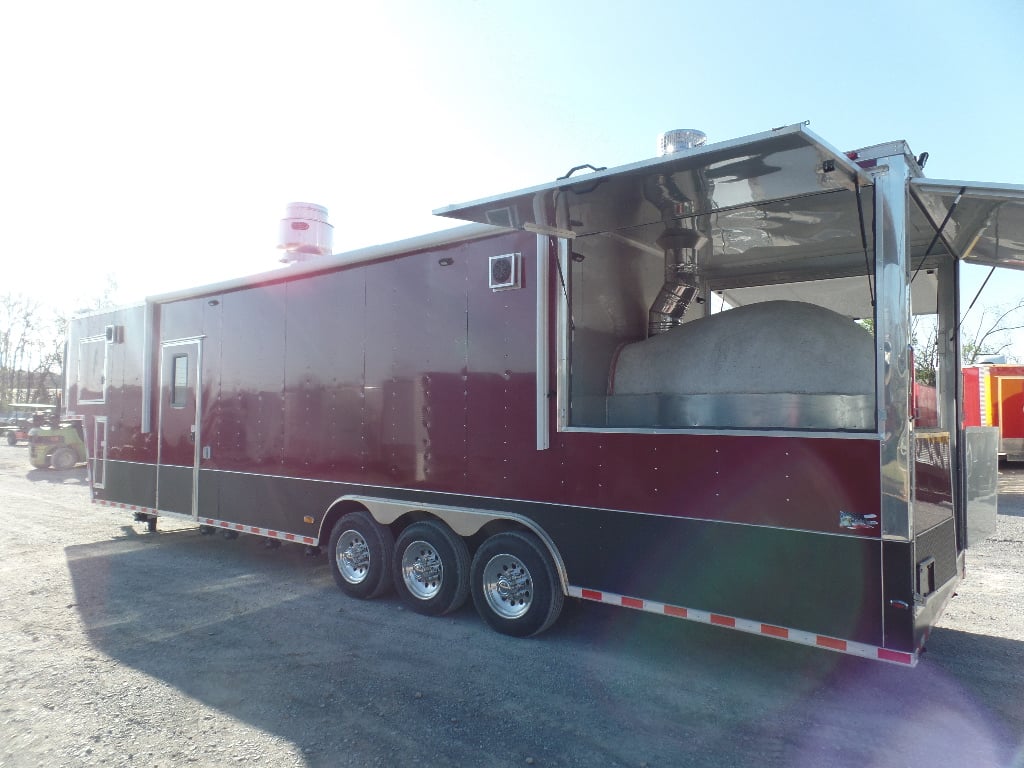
(644, 386)
(994, 397)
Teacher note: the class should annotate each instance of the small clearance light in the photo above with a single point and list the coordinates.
(308, 519)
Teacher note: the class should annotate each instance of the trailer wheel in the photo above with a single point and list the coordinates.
(12, 438)
(431, 568)
(62, 459)
(515, 585)
(360, 554)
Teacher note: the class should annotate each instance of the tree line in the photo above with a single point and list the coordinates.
(988, 334)
(32, 341)
(33, 336)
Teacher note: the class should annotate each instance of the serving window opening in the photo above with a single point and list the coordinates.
(757, 318)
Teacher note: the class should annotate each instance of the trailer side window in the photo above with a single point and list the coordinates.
(92, 369)
(179, 381)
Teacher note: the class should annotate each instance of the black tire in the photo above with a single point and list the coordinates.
(12, 438)
(515, 585)
(360, 553)
(62, 458)
(431, 568)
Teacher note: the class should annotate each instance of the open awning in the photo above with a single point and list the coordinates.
(980, 223)
(782, 164)
(786, 216)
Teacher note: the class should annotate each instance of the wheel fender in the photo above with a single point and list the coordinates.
(464, 521)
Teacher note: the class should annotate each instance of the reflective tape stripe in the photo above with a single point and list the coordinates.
(129, 507)
(270, 533)
(751, 627)
(831, 642)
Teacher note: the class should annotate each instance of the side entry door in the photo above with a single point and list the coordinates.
(177, 479)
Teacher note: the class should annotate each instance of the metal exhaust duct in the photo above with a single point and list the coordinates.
(679, 243)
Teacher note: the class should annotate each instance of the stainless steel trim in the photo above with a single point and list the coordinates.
(948, 374)
(198, 441)
(984, 189)
(198, 342)
(134, 463)
(779, 433)
(391, 509)
(543, 344)
(148, 338)
(183, 340)
(159, 429)
(95, 453)
(564, 291)
(892, 337)
(785, 410)
(948, 382)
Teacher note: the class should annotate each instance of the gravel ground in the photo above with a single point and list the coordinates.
(121, 648)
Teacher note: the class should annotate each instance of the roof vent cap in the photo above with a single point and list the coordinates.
(305, 233)
(679, 140)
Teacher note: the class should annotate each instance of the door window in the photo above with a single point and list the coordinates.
(179, 381)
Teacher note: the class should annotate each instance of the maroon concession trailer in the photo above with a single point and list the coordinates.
(681, 386)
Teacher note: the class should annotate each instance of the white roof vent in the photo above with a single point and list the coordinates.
(680, 139)
(305, 233)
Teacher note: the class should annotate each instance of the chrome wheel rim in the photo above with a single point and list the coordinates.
(422, 570)
(353, 557)
(508, 586)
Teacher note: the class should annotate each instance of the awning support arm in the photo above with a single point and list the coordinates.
(864, 239)
(956, 330)
(982, 288)
(938, 229)
(565, 292)
(938, 232)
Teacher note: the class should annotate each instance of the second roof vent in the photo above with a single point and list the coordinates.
(680, 139)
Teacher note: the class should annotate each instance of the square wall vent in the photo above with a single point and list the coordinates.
(505, 271)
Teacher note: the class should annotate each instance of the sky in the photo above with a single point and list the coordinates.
(157, 144)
